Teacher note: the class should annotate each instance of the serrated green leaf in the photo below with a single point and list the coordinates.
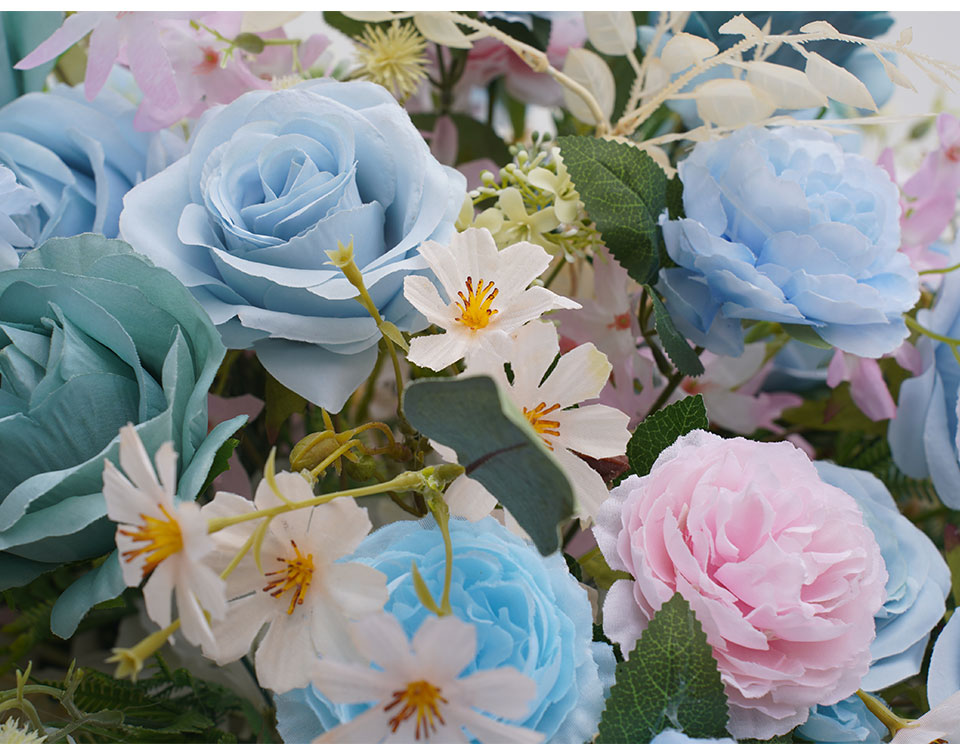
(624, 192)
(675, 198)
(498, 448)
(783, 739)
(683, 357)
(659, 430)
(281, 404)
(221, 461)
(670, 681)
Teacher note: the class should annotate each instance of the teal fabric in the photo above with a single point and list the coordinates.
(20, 33)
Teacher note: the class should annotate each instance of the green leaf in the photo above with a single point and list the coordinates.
(475, 139)
(683, 357)
(389, 330)
(675, 198)
(670, 681)
(595, 566)
(350, 27)
(782, 739)
(281, 404)
(537, 35)
(661, 429)
(221, 461)
(249, 43)
(805, 334)
(624, 192)
(498, 448)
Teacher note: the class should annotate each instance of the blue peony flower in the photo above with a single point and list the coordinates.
(918, 579)
(271, 182)
(943, 677)
(847, 721)
(783, 226)
(528, 610)
(16, 208)
(20, 33)
(676, 737)
(80, 157)
(92, 336)
(923, 436)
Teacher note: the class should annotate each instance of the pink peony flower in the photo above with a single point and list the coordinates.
(777, 565)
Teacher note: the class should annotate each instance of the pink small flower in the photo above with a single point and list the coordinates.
(777, 565)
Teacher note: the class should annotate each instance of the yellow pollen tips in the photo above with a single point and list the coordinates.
(475, 311)
(422, 698)
(543, 426)
(297, 576)
(162, 536)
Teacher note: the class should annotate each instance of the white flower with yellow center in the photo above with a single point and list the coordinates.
(302, 593)
(593, 430)
(417, 692)
(12, 733)
(488, 297)
(162, 541)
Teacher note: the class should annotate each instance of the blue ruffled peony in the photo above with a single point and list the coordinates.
(92, 336)
(528, 610)
(271, 182)
(783, 226)
(918, 579)
(923, 436)
(847, 721)
(80, 157)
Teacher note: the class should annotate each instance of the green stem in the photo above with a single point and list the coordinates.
(438, 507)
(947, 270)
(556, 272)
(887, 717)
(953, 343)
(371, 387)
(675, 379)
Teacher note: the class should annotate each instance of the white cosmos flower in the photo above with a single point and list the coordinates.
(161, 540)
(417, 693)
(488, 296)
(306, 597)
(594, 430)
(941, 724)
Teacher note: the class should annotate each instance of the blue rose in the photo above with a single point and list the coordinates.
(528, 610)
(92, 336)
(271, 182)
(918, 579)
(80, 157)
(943, 677)
(783, 226)
(847, 721)
(20, 33)
(16, 209)
(676, 737)
(923, 436)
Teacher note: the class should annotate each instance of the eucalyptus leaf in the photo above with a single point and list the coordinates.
(661, 429)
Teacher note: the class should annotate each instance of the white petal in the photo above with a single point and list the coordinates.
(489, 731)
(588, 487)
(286, 654)
(136, 463)
(580, 375)
(156, 594)
(192, 622)
(444, 646)
(597, 430)
(534, 348)
(291, 485)
(125, 502)
(505, 692)
(468, 498)
(438, 351)
(477, 256)
(132, 568)
(206, 583)
(236, 632)
(520, 264)
(336, 529)
(383, 641)
(369, 727)
(166, 460)
(330, 631)
(530, 305)
(357, 589)
(421, 293)
(351, 683)
(442, 260)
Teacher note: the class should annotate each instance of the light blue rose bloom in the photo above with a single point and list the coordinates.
(676, 737)
(918, 579)
(943, 677)
(529, 612)
(847, 721)
(80, 157)
(20, 33)
(923, 436)
(92, 336)
(16, 208)
(783, 226)
(271, 182)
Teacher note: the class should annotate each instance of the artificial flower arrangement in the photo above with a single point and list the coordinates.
(337, 405)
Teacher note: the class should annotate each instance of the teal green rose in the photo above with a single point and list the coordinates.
(92, 336)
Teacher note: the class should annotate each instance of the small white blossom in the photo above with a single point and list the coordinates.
(161, 540)
(12, 733)
(417, 692)
(489, 297)
(303, 594)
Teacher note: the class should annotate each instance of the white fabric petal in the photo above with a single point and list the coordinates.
(443, 263)
(383, 641)
(444, 646)
(166, 460)
(505, 692)
(351, 683)
(136, 464)
(530, 305)
(489, 731)
(597, 430)
(125, 503)
(235, 633)
(286, 653)
(520, 264)
(330, 631)
(157, 594)
(206, 584)
(336, 529)
(469, 499)
(192, 621)
(369, 727)
(438, 351)
(588, 487)
(421, 293)
(534, 348)
(357, 589)
(580, 375)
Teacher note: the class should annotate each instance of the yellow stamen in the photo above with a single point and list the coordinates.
(544, 427)
(162, 536)
(422, 698)
(475, 310)
(297, 576)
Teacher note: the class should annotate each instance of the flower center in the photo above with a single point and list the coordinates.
(422, 698)
(475, 311)
(620, 322)
(296, 575)
(210, 62)
(543, 426)
(162, 538)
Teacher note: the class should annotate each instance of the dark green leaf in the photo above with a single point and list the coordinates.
(675, 198)
(281, 404)
(783, 739)
(806, 334)
(683, 357)
(221, 461)
(661, 429)
(350, 27)
(250, 43)
(498, 447)
(475, 139)
(624, 192)
(538, 36)
(670, 681)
